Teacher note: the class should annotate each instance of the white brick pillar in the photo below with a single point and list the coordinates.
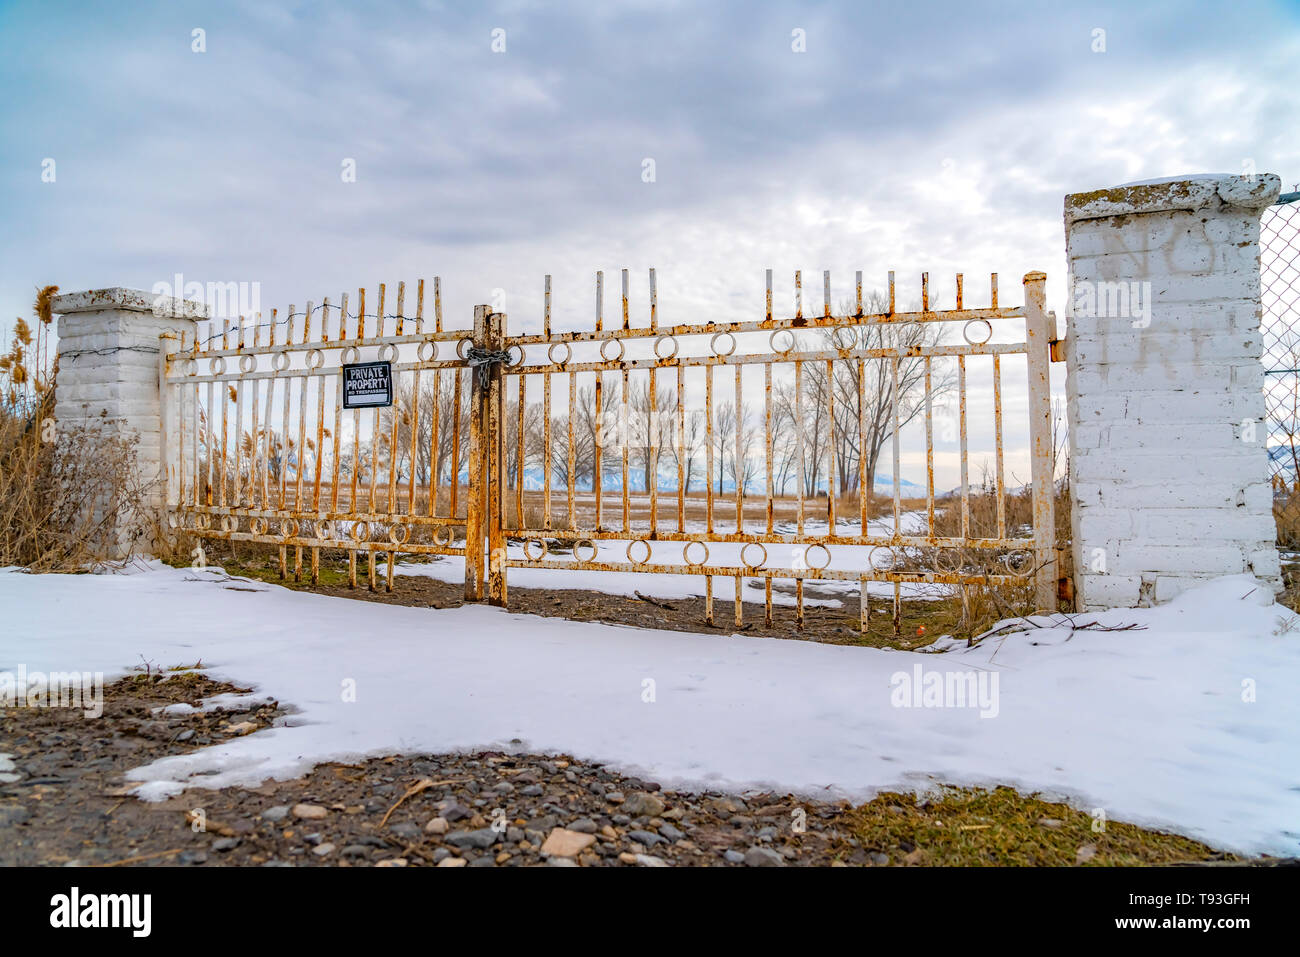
(111, 343)
(1169, 472)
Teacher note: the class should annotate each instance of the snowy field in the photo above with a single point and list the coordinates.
(1192, 724)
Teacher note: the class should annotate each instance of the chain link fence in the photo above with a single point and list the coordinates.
(1280, 299)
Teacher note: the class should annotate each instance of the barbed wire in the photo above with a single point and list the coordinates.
(106, 351)
(296, 315)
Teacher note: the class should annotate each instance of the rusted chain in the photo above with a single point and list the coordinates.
(481, 361)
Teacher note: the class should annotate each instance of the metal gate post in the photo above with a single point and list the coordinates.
(1038, 339)
(495, 445)
(474, 501)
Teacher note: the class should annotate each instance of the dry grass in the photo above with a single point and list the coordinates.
(64, 492)
(1286, 512)
(974, 828)
(978, 607)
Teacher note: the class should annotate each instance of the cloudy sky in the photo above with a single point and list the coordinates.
(908, 136)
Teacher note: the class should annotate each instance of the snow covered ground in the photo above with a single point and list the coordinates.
(726, 554)
(1191, 724)
(452, 569)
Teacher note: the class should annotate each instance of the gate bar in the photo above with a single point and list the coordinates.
(474, 530)
(1038, 353)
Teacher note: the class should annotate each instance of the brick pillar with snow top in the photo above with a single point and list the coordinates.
(1169, 469)
(111, 348)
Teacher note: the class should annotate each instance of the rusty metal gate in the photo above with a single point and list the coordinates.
(708, 449)
(258, 447)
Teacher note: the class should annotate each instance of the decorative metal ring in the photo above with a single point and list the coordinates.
(437, 535)
(191, 367)
(528, 549)
(280, 361)
(746, 562)
(315, 358)
(837, 340)
(387, 352)
(686, 553)
(638, 561)
(247, 363)
(871, 556)
(946, 560)
(288, 529)
(672, 355)
(550, 353)
(229, 523)
(203, 521)
(580, 542)
(965, 332)
(807, 552)
(217, 365)
(432, 346)
(771, 341)
(174, 520)
(360, 531)
(523, 354)
(349, 355)
(621, 350)
(713, 343)
(258, 526)
(1028, 565)
(463, 346)
(322, 529)
(399, 527)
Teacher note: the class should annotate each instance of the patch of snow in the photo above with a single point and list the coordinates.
(235, 701)
(1189, 724)
(179, 707)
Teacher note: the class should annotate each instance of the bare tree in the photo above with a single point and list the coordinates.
(587, 427)
(438, 402)
(516, 464)
(724, 428)
(869, 391)
(784, 448)
(863, 393)
(687, 447)
(582, 453)
(650, 427)
(403, 410)
(737, 456)
(803, 407)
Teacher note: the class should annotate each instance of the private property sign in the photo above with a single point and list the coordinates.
(367, 385)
